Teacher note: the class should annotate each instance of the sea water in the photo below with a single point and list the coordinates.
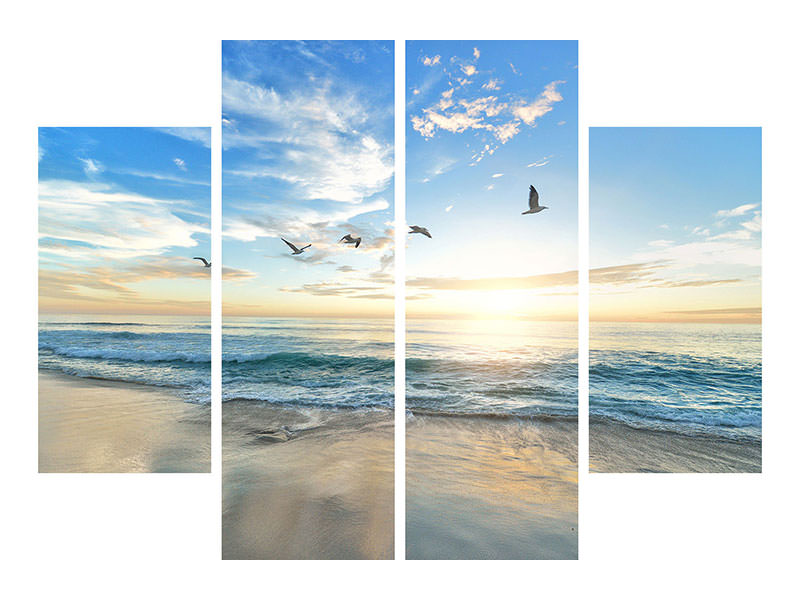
(167, 351)
(492, 368)
(692, 379)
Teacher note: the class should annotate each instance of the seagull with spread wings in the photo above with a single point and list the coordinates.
(295, 249)
(533, 203)
(349, 239)
(418, 229)
(206, 264)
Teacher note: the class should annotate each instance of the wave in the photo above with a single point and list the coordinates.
(304, 359)
(504, 416)
(198, 393)
(132, 355)
(687, 429)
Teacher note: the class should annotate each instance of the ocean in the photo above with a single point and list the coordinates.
(492, 368)
(321, 363)
(690, 379)
(166, 351)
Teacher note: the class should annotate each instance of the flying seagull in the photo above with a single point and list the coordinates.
(418, 229)
(349, 239)
(533, 203)
(206, 264)
(295, 249)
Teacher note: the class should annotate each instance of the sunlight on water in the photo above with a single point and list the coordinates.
(492, 367)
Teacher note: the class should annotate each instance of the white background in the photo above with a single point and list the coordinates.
(158, 64)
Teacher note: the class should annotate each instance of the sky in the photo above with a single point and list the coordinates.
(485, 120)
(675, 224)
(122, 211)
(308, 155)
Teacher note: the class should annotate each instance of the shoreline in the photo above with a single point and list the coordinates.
(615, 447)
(93, 425)
(302, 482)
(486, 488)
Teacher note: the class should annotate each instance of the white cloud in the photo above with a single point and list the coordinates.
(503, 119)
(449, 208)
(113, 224)
(492, 84)
(541, 163)
(706, 252)
(329, 157)
(200, 135)
(430, 61)
(91, 166)
(496, 175)
(539, 107)
(736, 212)
(469, 70)
(180, 163)
(476, 53)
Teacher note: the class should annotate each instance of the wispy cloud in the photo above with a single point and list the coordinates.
(529, 113)
(736, 212)
(327, 154)
(541, 163)
(430, 61)
(652, 275)
(200, 135)
(90, 166)
(566, 278)
(111, 223)
(458, 110)
(180, 163)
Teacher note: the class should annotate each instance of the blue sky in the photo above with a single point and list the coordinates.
(484, 121)
(308, 155)
(122, 211)
(675, 223)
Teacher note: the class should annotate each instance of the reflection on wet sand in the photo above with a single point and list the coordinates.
(489, 488)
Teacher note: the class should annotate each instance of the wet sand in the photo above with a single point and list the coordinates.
(482, 488)
(306, 483)
(617, 448)
(99, 426)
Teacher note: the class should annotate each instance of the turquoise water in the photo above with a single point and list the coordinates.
(333, 363)
(153, 350)
(693, 379)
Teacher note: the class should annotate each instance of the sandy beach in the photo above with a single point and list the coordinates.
(100, 426)
(307, 483)
(491, 488)
(617, 448)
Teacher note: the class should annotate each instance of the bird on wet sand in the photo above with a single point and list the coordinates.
(422, 230)
(295, 249)
(206, 264)
(349, 239)
(533, 203)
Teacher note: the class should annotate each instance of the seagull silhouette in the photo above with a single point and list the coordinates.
(533, 203)
(422, 230)
(206, 264)
(295, 249)
(349, 239)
